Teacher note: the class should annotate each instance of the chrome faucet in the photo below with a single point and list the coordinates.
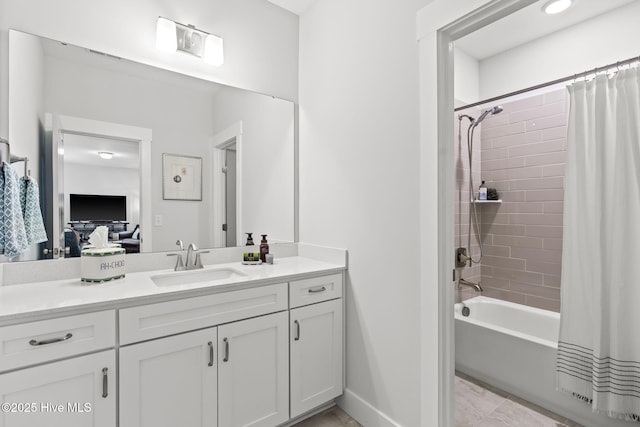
(189, 263)
(475, 286)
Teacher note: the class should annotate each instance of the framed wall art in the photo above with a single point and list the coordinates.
(181, 177)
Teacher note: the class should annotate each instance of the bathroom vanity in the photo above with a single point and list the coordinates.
(228, 345)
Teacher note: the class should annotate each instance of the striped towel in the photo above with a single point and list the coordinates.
(13, 239)
(30, 204)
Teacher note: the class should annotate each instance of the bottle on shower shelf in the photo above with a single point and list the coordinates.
(482, 194)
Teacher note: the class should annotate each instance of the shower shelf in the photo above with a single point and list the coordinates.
(482, 202)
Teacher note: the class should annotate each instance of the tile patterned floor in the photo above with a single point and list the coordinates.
(333, 417)
(480, 405)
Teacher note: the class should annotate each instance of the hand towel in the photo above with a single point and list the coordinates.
(30, 203)
(13, 239)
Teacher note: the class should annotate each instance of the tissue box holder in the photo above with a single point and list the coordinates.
(102, 265)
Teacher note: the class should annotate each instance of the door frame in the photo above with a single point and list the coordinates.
(232, 135)
(62, 124)
(439, 24)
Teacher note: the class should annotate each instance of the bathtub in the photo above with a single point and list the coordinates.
(513, 347)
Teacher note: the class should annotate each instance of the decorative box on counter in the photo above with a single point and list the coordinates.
(102, 265)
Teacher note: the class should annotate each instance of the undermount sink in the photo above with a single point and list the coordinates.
(203, 276)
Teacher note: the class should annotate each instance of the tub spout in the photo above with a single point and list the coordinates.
(476, 286)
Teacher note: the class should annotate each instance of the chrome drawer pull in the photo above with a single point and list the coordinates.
(210, 353)
(317, 290)
(297, 337)
(105, 383)
(226, 350)
(50, 341)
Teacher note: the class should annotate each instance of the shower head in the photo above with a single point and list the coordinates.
(493, 111)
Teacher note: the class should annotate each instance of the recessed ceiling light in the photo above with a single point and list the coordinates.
(105, 155)
(556, 6)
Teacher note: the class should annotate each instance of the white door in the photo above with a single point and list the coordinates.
(170, 382)
(316, 355)
(78, 392)
(253, 369)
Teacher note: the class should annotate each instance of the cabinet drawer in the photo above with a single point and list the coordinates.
(317, 289)
(173, 317)
(37, 342)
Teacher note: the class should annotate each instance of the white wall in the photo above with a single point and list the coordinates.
(112, 181)
(466, 78)
(600, 41)
(261, 39)
(267, 159)
(359, 171)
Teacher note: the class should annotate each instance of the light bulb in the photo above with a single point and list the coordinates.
(166, 39)
(105, 155)
(556, 6)
(213, 50)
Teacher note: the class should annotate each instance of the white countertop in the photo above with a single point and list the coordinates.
(35, 301)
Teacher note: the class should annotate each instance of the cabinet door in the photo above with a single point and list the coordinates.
(253, 369)
(316, 355)
(78, 392)
(170, 382)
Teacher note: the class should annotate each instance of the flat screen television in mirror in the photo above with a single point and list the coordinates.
(95, 207)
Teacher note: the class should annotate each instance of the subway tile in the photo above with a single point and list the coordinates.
(525, 172)
(516, 162)
(547, 122)
(541, 255)
(559, 132)
(543, 231)
(523, 104)
(518, 275)
(496, 175)
(505, 295)
(513, 140)
(505, 130)
(536, 219)
(523, 207)
(519, 242)
(538, 112)
(499, 251)
(487, 271)
(543, 303)
(508, 263)
(552, 195)
(495, 153)
(495, 120)
(554, 268)
(546, 159)
(552, 244)
(512, 196)
(495, 282)
(553, 170)
(556, 96)
(556, 182)
(535, 290)
(550, 146)
(551, 280)
(496, 218)
(507, 230)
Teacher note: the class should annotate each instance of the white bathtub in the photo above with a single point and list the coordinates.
(513, 347)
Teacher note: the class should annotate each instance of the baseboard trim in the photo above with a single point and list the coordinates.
(363, 412)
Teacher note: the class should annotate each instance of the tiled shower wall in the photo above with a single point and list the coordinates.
(523, 157)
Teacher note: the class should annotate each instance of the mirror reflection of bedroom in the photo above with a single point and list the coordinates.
(101, 187)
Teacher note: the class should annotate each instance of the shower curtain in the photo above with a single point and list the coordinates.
(599, 345)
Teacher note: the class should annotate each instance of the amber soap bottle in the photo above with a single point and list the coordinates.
(264, 248)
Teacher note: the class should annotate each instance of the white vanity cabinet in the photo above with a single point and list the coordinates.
(170, 381)
(316, 343)
(253, 371)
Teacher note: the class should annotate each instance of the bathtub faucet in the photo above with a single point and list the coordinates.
(476, 286)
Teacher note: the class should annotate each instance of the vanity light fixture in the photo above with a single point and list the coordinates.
(556, 6)
(107, 155)
(172, 36)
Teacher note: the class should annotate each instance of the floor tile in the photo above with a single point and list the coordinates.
(333, 417)
(474, 403)
(512, 414)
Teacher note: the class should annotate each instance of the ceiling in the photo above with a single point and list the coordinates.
(83, 150)
(529, 24)
(296, 6)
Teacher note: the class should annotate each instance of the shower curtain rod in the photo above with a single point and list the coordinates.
(554, 82)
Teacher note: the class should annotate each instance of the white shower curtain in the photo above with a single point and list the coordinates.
(599, 345)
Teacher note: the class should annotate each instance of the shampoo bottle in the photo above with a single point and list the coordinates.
(482, 194)
(264, 248)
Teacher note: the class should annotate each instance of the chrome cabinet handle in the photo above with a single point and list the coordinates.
(210, 353)
(50, 341)
(226, 350)
(297, 337)
(317, 290)
(105, 383)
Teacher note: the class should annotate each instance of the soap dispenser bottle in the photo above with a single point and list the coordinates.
(264, 248)
(249, 239)
(482, 194)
